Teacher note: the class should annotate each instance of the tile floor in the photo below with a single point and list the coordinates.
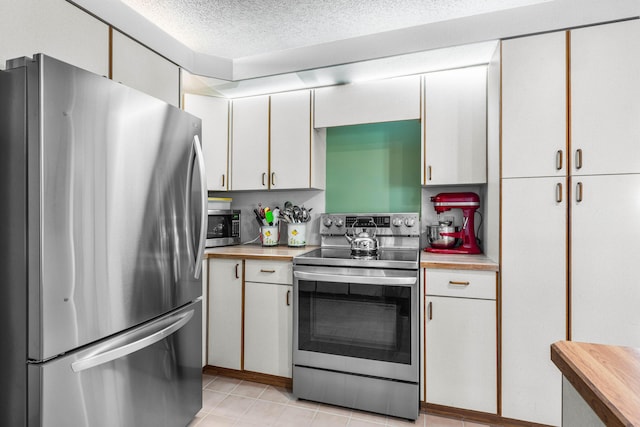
(231, 402)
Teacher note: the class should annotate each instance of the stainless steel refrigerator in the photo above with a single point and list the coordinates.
(102, 233)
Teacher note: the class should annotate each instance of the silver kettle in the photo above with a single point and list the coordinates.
(362, 242)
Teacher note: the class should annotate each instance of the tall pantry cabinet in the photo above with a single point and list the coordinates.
(570, 171)
(605, 139)
(534, 224)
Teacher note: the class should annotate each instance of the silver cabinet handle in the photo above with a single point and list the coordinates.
(263, 270)
(579, 158)
(559, 192)
(237, 275)
(430, 310)
(579, 192)
(559, 160)
(429, 173)
(222, 180)
(273, 179)
(108, 354)
(288, 295)
(264, 175)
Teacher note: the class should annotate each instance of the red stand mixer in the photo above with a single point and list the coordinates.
(469, 203)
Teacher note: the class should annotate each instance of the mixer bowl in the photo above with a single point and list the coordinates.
(436, 240)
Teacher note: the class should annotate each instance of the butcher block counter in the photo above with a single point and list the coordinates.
(478, 262)
(281, 252)
(606, 377)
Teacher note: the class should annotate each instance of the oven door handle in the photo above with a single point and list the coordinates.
(366, 280)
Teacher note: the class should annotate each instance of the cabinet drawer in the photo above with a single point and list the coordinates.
(268, 271)
(463, 284)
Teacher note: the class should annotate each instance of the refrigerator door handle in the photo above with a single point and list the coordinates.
(197, 156)
(111, 354)
(204, 214)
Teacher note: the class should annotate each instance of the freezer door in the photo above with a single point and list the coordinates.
(147, 377)
(117, 204)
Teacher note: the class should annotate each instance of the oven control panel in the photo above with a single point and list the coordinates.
(391, 224)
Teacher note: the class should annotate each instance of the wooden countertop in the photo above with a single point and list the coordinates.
(607, 377)
(457, 261)
(278, 253)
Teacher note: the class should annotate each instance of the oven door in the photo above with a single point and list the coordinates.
(357, 320)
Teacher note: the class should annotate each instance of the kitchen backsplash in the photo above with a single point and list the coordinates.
(247, 201)
(374, 167)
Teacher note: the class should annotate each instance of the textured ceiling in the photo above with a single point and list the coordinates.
(241, 28)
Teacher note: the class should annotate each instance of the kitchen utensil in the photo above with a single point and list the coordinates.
(268, 216)
(258, 217)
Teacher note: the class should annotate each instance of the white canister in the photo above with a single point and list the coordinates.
(269, 234)
(297, 234)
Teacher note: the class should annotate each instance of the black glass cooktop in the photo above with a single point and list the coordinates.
(385, 258)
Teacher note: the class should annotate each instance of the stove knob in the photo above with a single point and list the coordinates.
(339, 222)
(409, 222)
(327, 221)
(397, 222)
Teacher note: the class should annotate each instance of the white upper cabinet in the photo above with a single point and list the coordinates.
(605, 89)
(214, 113)
(368, 102)
(455, 127)
(291, 143)
(140, 68)
(534, 106)
(250, 143)
(55, 28)
(274, 145)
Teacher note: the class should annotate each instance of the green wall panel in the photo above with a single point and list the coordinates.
(374, 168)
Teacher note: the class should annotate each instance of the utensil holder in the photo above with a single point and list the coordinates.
(269, 235)
(297, 234)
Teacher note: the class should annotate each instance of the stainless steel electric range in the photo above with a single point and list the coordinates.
(356, 332)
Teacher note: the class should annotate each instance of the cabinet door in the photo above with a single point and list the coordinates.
(214, 113)
(290, 140)
(605, 98)
(604, 260)
(455, 126)
(56, 28)
(250, 143)
(461, 352)
(534, 106)
(268, 328)
(225, 313)
(534, 296)
(423, 347)
(140, 68)
(368, 102)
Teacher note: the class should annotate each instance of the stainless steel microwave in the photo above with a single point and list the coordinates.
(223, 227)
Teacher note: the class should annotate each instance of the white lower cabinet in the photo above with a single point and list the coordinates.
(534, 296)
(605, 271)
(268, 328)
(225, 313)
(255, 332)
(268, 317)
(460, 339)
